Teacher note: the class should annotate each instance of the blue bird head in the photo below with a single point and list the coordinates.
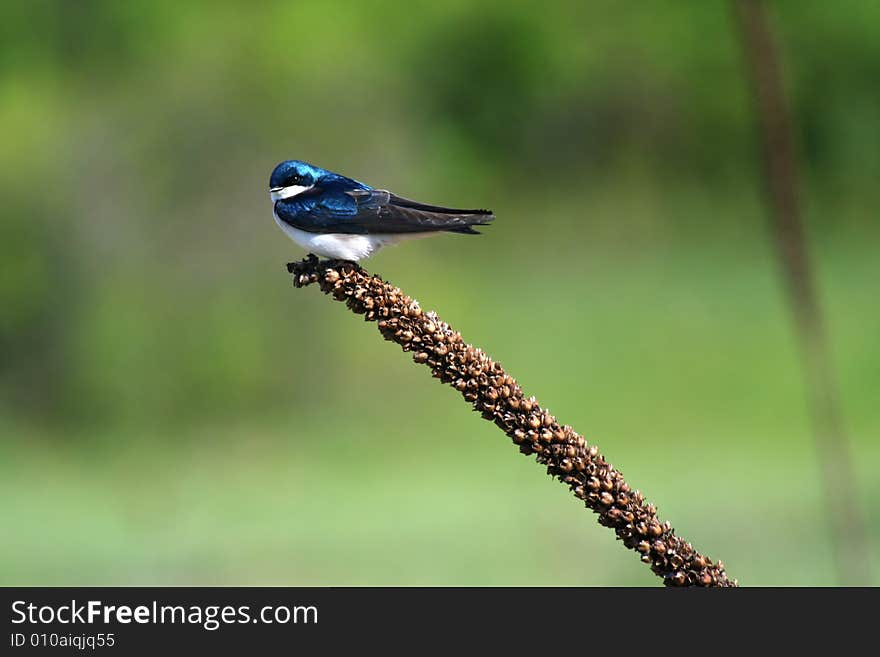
(295, 172)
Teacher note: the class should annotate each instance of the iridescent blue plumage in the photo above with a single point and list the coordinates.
(290, 171)
(322, 210)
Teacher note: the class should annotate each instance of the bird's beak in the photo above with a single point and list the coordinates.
(275, 190)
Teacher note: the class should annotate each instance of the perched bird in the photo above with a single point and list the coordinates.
(337, 217)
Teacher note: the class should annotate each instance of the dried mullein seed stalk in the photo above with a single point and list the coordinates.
(500, 399)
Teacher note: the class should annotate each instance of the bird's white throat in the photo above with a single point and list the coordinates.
(289, 191)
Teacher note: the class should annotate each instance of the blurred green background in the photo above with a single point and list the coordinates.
(172, 411)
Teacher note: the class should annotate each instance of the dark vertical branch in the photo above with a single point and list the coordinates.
(781, 179)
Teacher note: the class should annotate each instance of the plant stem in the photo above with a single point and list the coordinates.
(498, 398)
(852, 553)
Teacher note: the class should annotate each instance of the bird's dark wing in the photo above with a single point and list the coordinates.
(371, 211)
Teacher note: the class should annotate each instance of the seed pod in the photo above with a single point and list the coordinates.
(678, 578)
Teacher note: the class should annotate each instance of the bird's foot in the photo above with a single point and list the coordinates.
(303, 265)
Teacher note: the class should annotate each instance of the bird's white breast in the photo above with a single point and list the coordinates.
(339, 245)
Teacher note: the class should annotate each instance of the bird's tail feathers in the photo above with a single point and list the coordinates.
(470, 222)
